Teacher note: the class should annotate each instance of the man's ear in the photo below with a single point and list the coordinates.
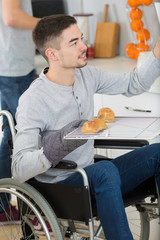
(51, 53)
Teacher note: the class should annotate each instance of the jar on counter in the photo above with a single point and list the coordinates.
(90, 51)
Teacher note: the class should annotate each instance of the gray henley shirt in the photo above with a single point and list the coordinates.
(47, 106)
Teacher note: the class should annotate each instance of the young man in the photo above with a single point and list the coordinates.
(16, 72)
(58, 101)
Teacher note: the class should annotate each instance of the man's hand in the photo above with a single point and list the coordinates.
(55, 147)
(156, 50)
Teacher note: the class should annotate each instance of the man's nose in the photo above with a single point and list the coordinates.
(83, 46)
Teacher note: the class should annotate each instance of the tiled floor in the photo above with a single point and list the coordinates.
(14, 229)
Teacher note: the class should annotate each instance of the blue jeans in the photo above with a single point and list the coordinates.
(109, 180)
(11, 89)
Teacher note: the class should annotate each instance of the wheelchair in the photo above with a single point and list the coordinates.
(65, 212)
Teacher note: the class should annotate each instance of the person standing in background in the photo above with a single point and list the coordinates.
(16, 71)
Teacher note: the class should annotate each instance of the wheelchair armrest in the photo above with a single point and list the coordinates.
(120, 143)
(66, 164)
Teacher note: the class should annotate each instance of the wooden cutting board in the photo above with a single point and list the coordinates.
(106, 38)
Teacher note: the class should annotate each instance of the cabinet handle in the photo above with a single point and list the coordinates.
(137, 110)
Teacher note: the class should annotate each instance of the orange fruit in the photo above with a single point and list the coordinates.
(143, 35)
(135, 13)
(142, 47)
(147, 2)
(129, 45)
(133, 3)
(136, 25)
(144, 2)
(131, 51)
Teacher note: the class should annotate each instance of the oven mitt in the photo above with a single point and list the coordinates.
(55, 147)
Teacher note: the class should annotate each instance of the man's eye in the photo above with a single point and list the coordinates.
(74, 44)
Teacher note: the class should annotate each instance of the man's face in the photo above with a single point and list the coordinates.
(72, 52)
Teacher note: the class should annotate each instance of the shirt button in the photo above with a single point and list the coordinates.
(76, 97)
(81, 113)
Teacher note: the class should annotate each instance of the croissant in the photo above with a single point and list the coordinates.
(93, 125)
(106, 114)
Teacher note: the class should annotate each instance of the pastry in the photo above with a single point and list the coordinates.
(106, 114)
(93, 125)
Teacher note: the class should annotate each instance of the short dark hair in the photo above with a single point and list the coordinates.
(50, 27)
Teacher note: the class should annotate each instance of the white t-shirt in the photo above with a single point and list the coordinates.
(17, 47)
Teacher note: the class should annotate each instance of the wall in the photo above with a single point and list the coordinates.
(116, 13)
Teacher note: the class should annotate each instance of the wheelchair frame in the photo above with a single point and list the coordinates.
(33, 203)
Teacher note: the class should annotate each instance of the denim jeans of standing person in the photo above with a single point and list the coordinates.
(11, 89)
(110, 180)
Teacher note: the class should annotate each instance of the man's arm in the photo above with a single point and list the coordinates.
(13, 16)
(156, 50)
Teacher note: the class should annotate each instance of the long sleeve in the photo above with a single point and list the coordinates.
(128, 84)
(28, 157)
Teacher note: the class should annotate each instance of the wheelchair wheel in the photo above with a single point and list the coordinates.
(138, 222)
(36, 218)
